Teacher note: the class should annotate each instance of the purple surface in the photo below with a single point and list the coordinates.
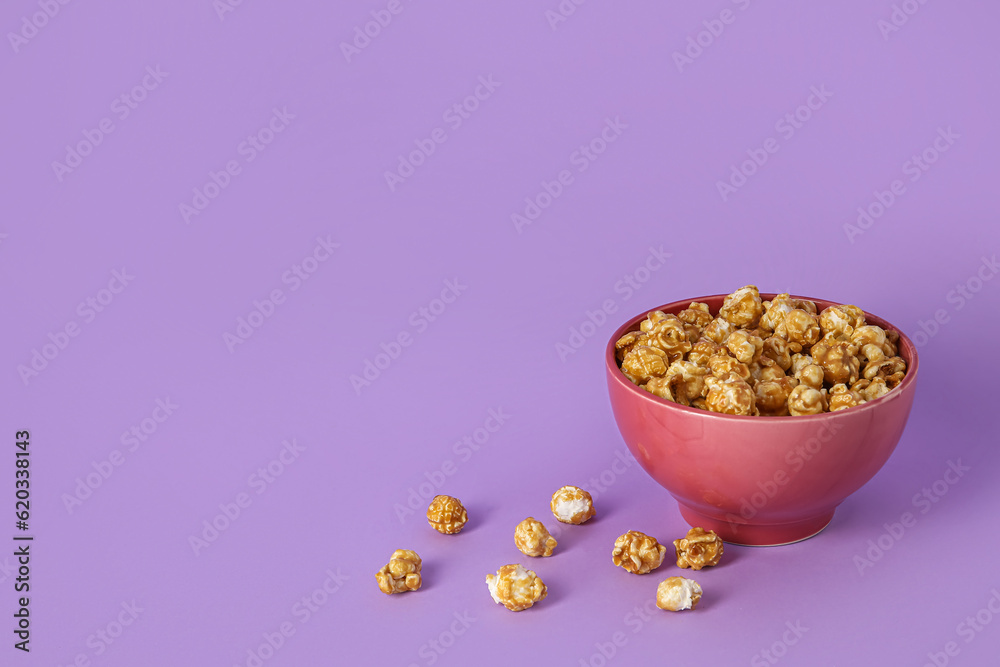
(331, 516)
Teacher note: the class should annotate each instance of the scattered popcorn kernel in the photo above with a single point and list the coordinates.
(571, 504)
(516, 587)
(532, 538)
(698, 549)
(446, 515)
(637, 552)
(678, 594)
(401, 574)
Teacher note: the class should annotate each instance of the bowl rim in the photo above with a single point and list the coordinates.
(614, 371)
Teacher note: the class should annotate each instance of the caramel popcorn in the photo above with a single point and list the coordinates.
(698, 549)
(744, 346)
(625, 344)
(446, 515)
(730, 394)
(571, 504)
(644, 362)
(516, 587)
(532, 539)
(678, 594)
(668, 334)
(637, 552)
(804, 400)
(743, 307)
(774, 358)
(401, 574)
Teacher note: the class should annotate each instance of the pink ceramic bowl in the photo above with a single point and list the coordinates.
(758, 480)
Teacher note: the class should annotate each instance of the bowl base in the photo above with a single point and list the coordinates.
(757, 534)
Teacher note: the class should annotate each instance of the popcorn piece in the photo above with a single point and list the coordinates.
(697, 314)
(718, 330)
(842, 397)
(678, 594)
(516, 587)
(764, 370)
(776, 349)
(571, 504)
(771, 396)
(637, 552)
(401, 574)
(800, 328)
(698, 549)
(743, 307)
(873, 389)
(532, 539)
(835, 323)
(838, 360)
(652, 317)
(644, 362)
(687, 381)
(446, 515)
(625, 344)
(703, 350)
(745, 346)
(668, 334)
(775, 310)
(722, 365)
(804, 400)
(730, 395)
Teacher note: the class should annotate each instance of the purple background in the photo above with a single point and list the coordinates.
(333, 509)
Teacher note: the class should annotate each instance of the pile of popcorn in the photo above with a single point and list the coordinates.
(754, 357)
(517, 588)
